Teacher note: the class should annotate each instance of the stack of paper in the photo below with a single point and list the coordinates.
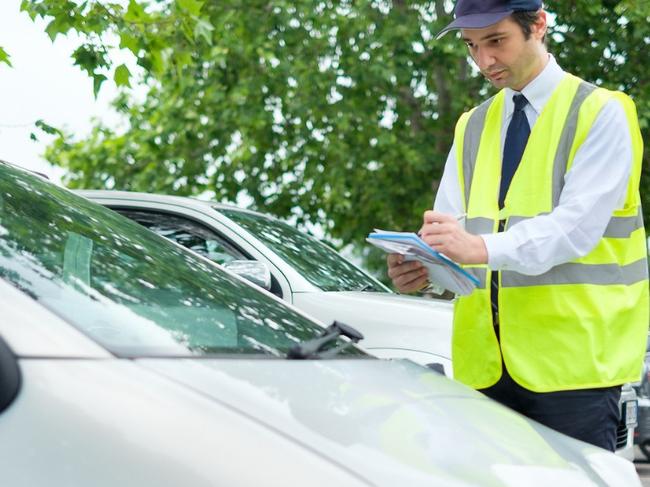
(443, 271)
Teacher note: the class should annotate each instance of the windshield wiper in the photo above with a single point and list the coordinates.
(311, 348)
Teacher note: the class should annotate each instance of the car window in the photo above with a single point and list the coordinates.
(130, 290)
(319, 264)
(188, 234)
(194, 236)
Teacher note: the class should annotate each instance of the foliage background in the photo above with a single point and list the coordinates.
(336, 113)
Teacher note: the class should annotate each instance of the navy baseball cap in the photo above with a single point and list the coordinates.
(477, 14)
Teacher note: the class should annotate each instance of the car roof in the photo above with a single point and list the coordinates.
(158, 197)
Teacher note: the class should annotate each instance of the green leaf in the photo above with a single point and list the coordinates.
(135, 12)
(122, 75)
(204, 28)
(127, 41)
(98, 79)
(4, 57)
(157, 62)
(55, 28)
(45, 127)
(191, 6)
(89, 57)
(25, 6)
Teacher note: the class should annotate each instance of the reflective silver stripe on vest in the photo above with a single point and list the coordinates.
(479, 273)
(618, 226)
(516, 219)
(477, 226)
(471, 142)
(572, 273)
(566, 139)
(623, 226)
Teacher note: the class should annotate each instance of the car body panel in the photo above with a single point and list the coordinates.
(202, 422)
(107, 423)
(394, 422)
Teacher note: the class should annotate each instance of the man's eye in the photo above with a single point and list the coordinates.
(497, 41)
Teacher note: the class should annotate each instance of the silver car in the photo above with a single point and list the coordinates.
(303, 272)
(316, 279)
(126, 360)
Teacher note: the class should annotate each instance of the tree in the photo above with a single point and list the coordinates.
(339, 113)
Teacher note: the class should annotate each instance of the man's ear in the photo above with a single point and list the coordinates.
(538, 29)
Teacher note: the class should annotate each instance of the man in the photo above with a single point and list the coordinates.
(547, 172)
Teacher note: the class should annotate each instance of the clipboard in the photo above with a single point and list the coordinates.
(443, 271)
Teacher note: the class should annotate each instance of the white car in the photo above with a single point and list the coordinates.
(316, 279)
(127, 361)
(304, 272)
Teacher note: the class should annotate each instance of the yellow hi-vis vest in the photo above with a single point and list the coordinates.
(582, 324)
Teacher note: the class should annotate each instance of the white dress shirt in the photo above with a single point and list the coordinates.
(594, 186)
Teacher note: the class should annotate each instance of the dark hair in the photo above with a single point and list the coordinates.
(525, 21)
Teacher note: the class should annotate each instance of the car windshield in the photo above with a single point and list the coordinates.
(132, 291)
(319, 264)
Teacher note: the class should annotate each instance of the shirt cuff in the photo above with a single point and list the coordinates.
(500, 250)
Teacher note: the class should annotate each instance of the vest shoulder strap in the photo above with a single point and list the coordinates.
(467, 137)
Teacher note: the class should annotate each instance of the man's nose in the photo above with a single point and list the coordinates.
(484, 59)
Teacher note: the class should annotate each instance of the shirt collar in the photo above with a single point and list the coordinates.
(540, 89)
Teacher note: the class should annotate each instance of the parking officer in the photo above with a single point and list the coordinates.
(547, 171)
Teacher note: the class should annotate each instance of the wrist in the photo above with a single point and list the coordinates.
(480, 251)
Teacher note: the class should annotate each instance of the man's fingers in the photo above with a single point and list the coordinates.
(437, 240)
(407, 276)
(431, 216)
(407, 267)
(394, 259)
(437, 229)
(412, 282)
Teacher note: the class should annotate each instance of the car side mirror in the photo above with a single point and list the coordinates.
(256, 272)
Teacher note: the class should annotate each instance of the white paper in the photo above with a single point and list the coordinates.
(443, 271)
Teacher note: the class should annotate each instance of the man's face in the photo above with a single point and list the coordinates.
(504, 56)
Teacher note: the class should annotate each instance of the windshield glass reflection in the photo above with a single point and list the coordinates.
(315, 261)
(129, 289)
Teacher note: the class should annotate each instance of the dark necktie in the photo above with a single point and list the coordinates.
(516, 139)
(513, 149)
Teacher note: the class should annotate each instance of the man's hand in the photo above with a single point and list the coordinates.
(444, 234)
(407, 276)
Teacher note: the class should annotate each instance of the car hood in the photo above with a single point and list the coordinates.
(395, 422)
(387, 320)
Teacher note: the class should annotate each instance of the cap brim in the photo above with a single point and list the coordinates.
(474, 21)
